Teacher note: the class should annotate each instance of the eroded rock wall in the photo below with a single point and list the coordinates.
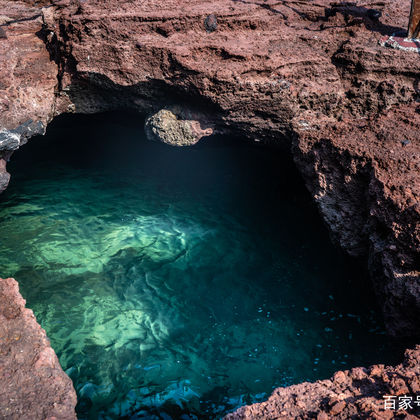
(32, 383)
(364, 176)
(28, 79)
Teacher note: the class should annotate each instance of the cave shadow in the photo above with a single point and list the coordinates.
(416, 84)
(368, 17)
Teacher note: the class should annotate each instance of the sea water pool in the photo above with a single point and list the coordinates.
(179, 282)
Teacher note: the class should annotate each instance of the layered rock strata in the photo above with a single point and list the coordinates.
(32, 383)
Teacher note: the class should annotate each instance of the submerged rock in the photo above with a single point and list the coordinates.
(168, 127)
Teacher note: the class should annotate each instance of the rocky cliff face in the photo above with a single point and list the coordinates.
(32, 384)
(306, 76)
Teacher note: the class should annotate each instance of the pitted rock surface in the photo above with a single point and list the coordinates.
(352, 394)
(167, 127)
(32, 383)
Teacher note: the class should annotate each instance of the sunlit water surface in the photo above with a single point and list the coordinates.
(179, 283)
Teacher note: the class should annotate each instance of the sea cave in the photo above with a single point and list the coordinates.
(180, 282)
(209, 209)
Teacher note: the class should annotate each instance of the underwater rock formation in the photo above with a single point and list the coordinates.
(352, 394)
(32, 383)
(168, 127)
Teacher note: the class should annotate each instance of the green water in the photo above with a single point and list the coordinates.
(179, 283)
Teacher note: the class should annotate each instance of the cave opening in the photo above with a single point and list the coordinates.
(180, 282)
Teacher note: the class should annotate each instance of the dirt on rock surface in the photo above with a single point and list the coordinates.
(32, 383)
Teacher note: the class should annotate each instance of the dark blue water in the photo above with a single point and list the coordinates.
(179, 283)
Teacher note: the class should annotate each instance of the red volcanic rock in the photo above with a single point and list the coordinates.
(32, 383)
(355, 394)
(28, 78)
(365, 177)
(210, 23)
(309, 76)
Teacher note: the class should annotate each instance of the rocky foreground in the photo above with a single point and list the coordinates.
(32, 383)
(308, 76)
(351, 394)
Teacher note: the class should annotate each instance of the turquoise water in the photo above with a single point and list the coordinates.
(179, 283)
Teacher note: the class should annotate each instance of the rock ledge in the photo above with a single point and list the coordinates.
(32, 383)
(352, 394)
